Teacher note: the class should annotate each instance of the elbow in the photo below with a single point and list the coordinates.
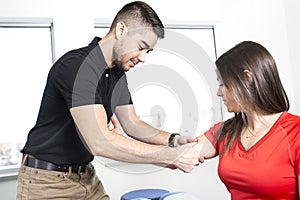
(96, 150)
(101, 149)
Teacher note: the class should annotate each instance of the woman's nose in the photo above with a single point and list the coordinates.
(219, 92)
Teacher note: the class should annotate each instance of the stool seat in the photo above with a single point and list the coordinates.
(151, 194)
(164, 196)
(178, 196)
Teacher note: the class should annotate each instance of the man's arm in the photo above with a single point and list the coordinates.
(142, 131)
(92, 124)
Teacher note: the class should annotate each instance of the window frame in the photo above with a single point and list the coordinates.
(12, 173)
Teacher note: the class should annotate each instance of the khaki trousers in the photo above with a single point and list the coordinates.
(38, 184)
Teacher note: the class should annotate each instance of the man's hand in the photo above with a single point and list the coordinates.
(113, 126)
(181, 140)
(188, 158)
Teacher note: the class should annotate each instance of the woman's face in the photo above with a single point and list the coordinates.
(227, 98)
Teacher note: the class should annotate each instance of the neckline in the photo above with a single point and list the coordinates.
(265, 137)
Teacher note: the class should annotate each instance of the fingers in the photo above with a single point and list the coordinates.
(171, 166)
(114, 122)
(188, 159)
(201, 159)
(188, 139)
(188, 168)
(181, 140)
(113, 126)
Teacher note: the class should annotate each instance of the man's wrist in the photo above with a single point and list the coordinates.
(172, 139)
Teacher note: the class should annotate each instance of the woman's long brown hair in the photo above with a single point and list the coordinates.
(264, 94)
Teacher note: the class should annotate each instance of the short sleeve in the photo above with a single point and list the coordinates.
(77, 74)
(86, 80)
(297, 152)
(211, 134)
(290, 125)
(297, 161)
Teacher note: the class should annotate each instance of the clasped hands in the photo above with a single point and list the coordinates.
(191, 153)
(185, 156)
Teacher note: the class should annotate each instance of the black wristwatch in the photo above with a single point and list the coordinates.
(172, 139)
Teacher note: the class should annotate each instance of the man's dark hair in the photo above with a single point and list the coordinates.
(137, 15)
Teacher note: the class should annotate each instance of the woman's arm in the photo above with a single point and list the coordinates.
(204, 147)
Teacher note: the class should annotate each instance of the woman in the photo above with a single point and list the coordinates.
(259, 147)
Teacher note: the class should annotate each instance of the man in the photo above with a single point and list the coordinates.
(85, 87)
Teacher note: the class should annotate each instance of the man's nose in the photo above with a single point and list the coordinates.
(142, 56)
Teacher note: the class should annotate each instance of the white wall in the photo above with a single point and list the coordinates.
(8, 189)
(272, 23)
(293, 32)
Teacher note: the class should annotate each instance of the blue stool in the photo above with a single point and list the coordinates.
(167, 194)
(151, 194)
(178, 196)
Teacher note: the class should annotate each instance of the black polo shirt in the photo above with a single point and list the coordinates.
(80, 77)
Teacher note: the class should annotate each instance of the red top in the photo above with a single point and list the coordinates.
(269, 169)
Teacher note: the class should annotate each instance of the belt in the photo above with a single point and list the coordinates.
(40, 164)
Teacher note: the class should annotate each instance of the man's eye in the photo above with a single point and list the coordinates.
(143, 48)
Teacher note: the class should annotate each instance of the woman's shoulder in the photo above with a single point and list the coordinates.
(290, 118)
(290, 123)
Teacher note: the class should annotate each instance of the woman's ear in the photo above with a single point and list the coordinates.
(248, 75)
(121, 29)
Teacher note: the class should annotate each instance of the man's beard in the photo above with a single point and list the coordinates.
(117, 63)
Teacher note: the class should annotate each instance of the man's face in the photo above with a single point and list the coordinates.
(133, 47)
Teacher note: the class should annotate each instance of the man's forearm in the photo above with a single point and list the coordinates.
(146, 133)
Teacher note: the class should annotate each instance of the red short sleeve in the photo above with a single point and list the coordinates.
(212, 133)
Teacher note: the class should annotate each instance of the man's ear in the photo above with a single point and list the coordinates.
(248, 75)
(121, 30)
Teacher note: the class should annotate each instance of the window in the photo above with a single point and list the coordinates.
(26, 56)
(175, 89)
